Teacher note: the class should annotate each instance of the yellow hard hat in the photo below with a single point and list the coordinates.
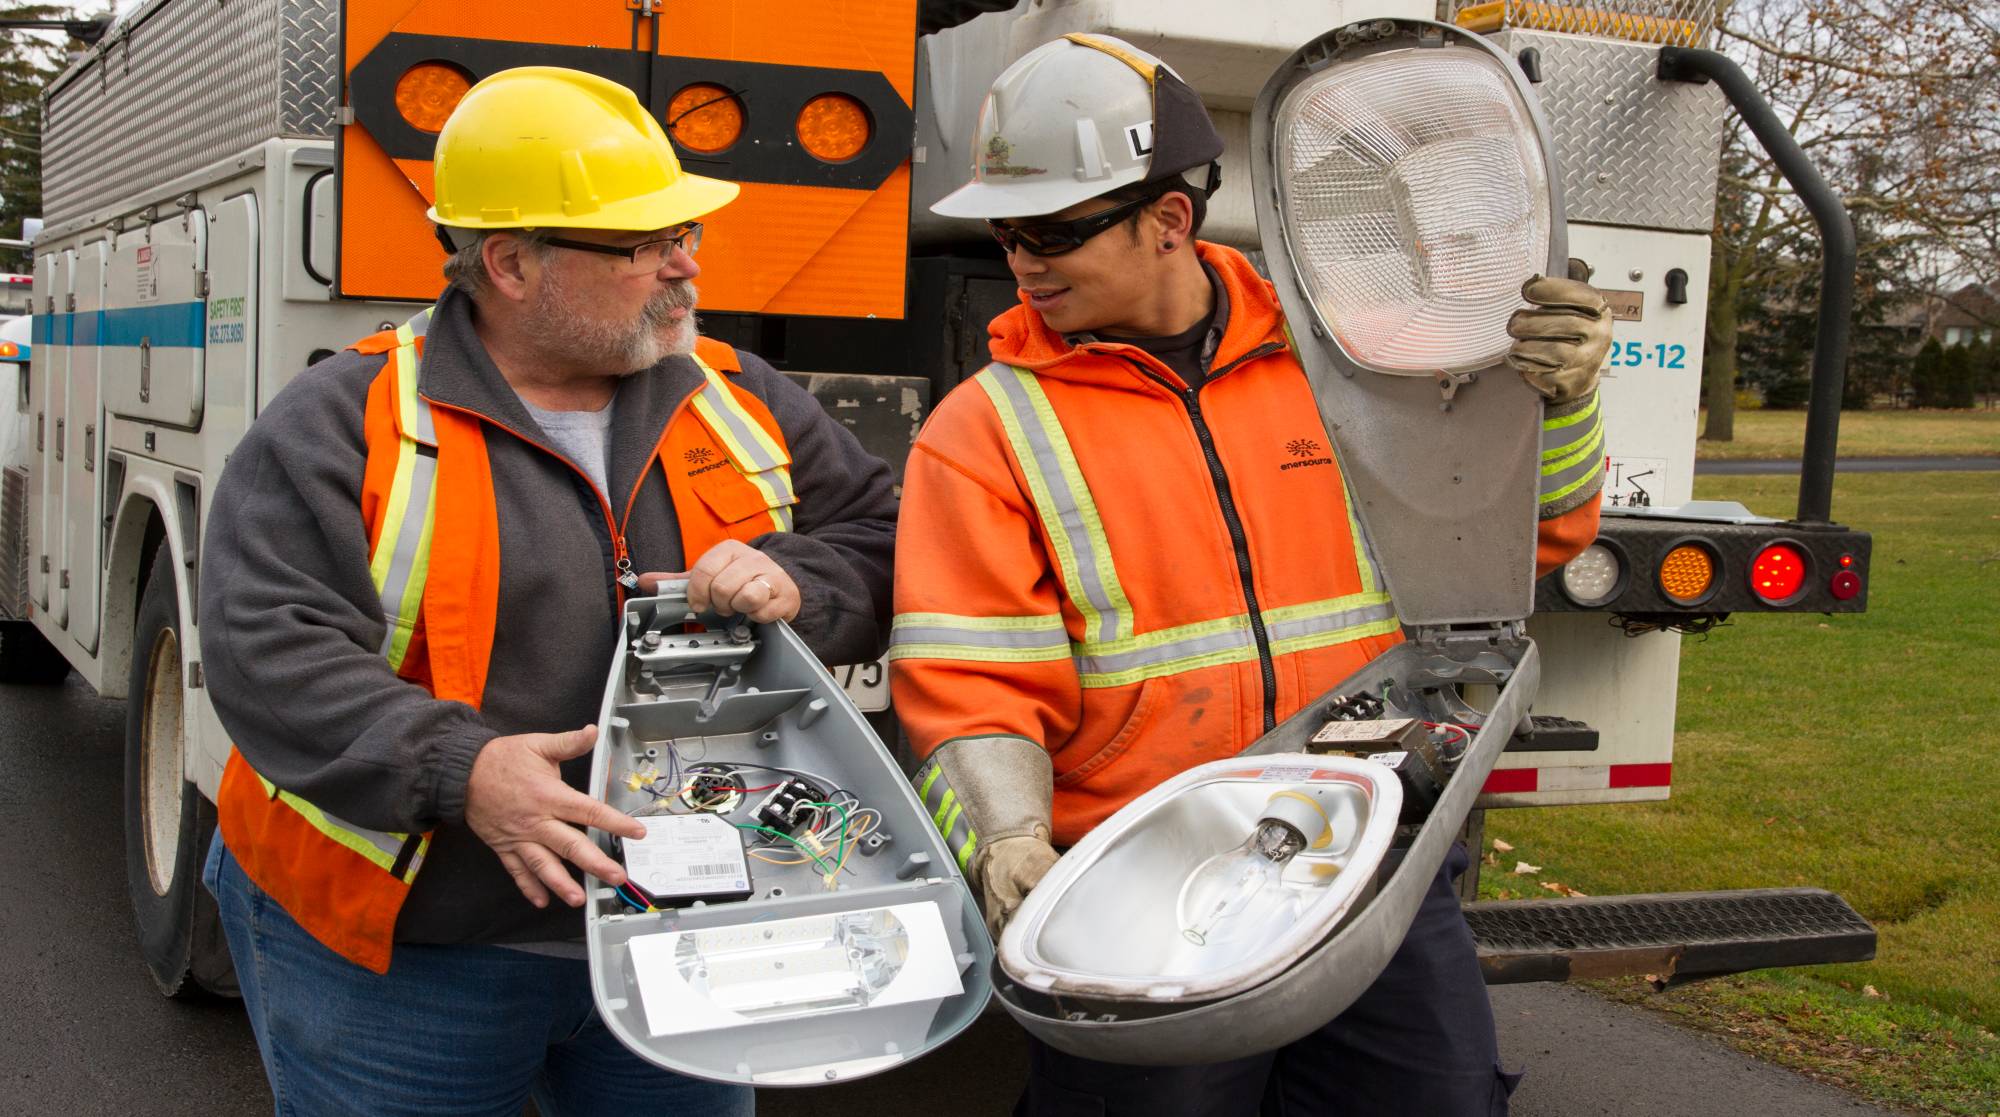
(546, 147)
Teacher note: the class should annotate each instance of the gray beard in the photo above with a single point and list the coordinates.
(576, 331)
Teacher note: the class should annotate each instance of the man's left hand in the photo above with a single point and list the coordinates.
(1560, 341)
(734, 577)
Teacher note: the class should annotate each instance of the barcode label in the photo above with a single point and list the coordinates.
(719, 869)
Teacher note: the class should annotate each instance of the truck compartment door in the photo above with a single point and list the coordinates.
(83, 498)
(153, 322)
(55, 331)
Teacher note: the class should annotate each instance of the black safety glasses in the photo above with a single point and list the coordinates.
(1053, 238)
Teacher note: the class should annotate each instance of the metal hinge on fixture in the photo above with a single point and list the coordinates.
(201, 284)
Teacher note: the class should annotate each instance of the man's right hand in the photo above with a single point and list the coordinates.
(1008, 870)
(517, 802)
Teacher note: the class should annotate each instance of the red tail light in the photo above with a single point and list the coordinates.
(1779, 573)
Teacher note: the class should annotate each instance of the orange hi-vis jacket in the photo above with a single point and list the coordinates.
(1137, 576)
(427, 497)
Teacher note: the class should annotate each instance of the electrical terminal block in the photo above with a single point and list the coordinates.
(784, 809)
(1359, 706)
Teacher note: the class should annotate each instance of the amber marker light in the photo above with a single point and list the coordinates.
(705, 118)
(833, 127)
(428, 91)
(1687, 573)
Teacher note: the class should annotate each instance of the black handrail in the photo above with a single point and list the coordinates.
(1837, 252)
(86, 31)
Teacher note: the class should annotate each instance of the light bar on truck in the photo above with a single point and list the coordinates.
(1687, 567)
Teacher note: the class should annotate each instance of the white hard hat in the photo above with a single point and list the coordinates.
(1079, 117)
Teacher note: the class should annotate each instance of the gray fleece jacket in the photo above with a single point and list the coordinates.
(290, 621)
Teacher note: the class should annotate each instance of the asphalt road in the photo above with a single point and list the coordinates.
(1855, 465)
(85, 1033)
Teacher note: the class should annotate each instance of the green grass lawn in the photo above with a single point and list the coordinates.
(1859, 753)
(1863, 434)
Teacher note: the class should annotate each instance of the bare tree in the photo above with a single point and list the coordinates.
(1898, 102)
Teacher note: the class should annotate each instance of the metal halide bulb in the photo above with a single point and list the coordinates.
(1416, 198)
(1240, 893)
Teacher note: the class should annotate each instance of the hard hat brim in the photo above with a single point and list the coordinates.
(988, 200)
(689, 197)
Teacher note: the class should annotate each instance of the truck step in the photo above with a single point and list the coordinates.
(1675, 937)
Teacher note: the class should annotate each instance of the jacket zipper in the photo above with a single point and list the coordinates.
(1191, 399)
(621, 557)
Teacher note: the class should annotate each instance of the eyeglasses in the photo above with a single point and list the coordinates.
(650, 256)
(1053, 238)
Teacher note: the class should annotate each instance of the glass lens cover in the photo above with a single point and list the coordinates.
(1416, 201)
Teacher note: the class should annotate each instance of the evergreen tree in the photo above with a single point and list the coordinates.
(28, 62)
(1956, 381)
(1927, 374)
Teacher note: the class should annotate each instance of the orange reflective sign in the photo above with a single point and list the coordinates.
(822, 87)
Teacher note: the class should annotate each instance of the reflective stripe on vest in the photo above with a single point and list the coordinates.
(1113, 652)
(762, 460)
(401, 560)
(400, 566)
(1572, 454)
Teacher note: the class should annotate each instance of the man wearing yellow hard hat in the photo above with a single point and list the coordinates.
(414, 571)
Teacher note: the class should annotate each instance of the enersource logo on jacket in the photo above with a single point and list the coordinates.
(1308, 451)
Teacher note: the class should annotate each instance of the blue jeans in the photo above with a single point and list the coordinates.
(449, 1030)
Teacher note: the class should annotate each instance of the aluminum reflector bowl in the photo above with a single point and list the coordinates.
(1105, 924)
(1319, 981)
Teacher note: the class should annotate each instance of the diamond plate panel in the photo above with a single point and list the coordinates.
(310, 72)
(14, 541)
(192, 82)
(1634, 150)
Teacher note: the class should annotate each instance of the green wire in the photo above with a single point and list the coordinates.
(781, 834)
(842, 847)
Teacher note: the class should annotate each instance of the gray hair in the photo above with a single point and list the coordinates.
(467, 265)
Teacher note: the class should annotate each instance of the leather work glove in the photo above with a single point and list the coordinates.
(1008, 869)
(1561, 339)
(993, 799)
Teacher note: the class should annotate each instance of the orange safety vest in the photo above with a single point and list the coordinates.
(427, 497)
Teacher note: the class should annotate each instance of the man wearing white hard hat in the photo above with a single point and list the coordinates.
(1126, 550)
